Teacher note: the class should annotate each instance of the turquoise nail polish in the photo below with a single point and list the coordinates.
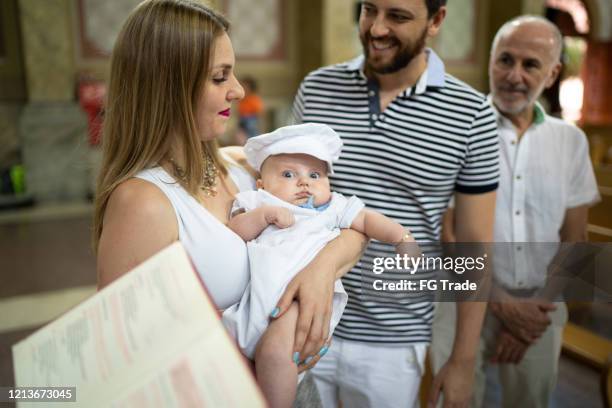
(296, 357)
(323, 351)
(275, 312)
(308, 360)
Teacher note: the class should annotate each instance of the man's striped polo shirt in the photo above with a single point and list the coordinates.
(406, 162)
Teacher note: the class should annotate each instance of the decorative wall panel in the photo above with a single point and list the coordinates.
(456, 41)
(257, 28)
(99, 25)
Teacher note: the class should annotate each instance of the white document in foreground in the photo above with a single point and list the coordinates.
(150, 339)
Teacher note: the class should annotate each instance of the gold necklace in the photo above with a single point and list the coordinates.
(209, 178)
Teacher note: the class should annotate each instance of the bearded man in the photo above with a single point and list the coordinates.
(414, 136)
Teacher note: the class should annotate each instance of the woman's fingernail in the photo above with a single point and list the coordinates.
(308, 360)
(275, 312)
(296, 357)
(323, 351)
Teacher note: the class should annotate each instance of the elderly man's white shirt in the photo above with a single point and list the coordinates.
(541, 176)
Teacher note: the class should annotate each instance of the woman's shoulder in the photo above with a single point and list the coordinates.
(139, 221)
(140, 198)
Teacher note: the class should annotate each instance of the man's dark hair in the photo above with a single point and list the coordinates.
(433, 6)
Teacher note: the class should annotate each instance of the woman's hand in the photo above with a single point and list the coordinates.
(313, 362)
(313, 289)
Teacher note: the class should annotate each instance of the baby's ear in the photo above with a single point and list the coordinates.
(259, 183)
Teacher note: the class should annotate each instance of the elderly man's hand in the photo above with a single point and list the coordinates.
(527, 320)
(509, 349)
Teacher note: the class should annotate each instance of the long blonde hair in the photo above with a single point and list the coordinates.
(159, 66)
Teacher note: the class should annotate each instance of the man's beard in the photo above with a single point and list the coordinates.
(402, 58)
(514, 107)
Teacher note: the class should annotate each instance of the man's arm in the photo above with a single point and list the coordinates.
(476, 213)
(448, 225)
(248, 225)
(574, 228)
(561, 271)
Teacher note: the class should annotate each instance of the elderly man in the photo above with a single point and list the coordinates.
(546, 186)
(413, 137)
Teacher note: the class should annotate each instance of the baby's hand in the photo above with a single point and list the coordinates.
(408, 246)
(279, 216)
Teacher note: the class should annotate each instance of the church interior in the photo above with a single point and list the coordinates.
(54, 67)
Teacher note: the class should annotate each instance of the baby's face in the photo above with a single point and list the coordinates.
(295, 177)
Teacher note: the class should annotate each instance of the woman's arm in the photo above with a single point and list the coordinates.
(345, 251)
(313, 288)
(139, 222)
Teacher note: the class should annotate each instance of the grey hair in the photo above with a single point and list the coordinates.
(557, 36)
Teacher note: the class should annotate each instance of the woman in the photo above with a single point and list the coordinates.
(163, 177)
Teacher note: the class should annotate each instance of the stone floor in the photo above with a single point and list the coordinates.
(46, 266)
(577, 387)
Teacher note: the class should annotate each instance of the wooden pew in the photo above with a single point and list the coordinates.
(593, 350)
(606, 384)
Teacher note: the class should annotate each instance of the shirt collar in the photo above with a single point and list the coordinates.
(356, 64)
(432, 77)
(539, 114)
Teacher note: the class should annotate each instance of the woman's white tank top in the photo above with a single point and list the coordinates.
(219, 255)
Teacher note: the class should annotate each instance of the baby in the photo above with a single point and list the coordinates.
(286, 222)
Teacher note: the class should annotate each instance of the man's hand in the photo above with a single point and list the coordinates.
(279, 216)
(526, 320)
(455, 380)
(509, 349)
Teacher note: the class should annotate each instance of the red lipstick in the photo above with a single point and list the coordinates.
(225, 113)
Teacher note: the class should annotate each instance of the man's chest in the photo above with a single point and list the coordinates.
(401, 152)
(535, 175)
